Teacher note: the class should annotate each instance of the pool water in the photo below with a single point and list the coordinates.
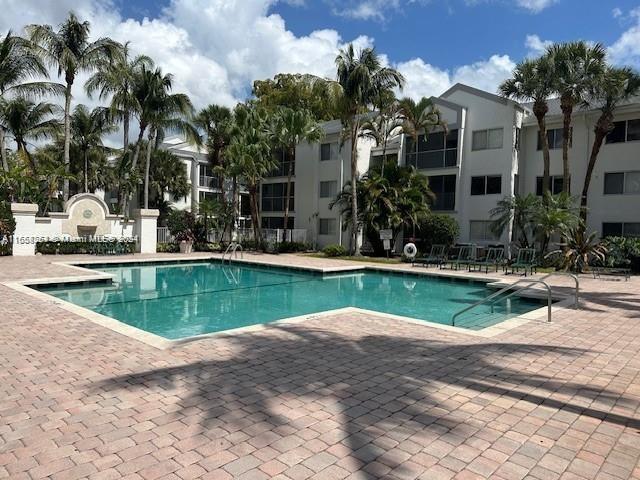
(177, 300)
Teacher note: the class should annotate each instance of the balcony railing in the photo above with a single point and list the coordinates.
(433, 159)
(209, 182)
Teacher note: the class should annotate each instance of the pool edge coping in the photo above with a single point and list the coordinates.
(157, 341)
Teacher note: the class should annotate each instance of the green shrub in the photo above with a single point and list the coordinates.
(334, 251)
(289, 247)
(167, 247)
(73, 247)
(206, 247)
(623, 252)
(182, 225)
(437, 229)
(7, 227)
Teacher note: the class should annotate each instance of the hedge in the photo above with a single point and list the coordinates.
(80, 247)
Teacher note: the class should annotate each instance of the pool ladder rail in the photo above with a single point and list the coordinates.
(231, 250)
(494, 297)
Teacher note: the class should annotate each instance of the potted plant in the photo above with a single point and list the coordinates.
(182, 226)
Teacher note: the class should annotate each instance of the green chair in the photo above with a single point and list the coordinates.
(493, 259)
(436, 256)
(526, 261)
(466, 254)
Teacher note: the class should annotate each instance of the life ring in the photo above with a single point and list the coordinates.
(410, 250)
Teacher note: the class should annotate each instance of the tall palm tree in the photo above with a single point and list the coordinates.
(18, 63)
(87, 130)
(168, 175)
(116, 79)
(577, 64)
(518, 211)
(533, 80)
(27, 121)
(386, 125)
(608, 91)
(289, 128)
(422, 116)
(362, 78)
(250, 156)
(70, 51)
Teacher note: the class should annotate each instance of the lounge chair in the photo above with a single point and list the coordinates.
(466, 254)
(493, 259)
(436, 256)
(526, 261)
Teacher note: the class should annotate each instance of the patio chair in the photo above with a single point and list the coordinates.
(493, 259)
(466, 254)
(436, 256)
(526, 261)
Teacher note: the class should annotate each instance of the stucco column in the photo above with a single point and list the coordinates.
(24, 238)
(146, 228)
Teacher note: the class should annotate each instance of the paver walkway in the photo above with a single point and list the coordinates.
(351, 396)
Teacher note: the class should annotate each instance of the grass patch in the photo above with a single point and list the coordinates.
(393, 260)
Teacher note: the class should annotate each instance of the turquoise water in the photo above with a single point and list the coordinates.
(185, 299)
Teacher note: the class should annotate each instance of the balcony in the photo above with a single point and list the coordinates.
(209, 182)
(434, 159)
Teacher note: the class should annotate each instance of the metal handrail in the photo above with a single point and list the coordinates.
(575, 278)
(505, 289)
(233, 249)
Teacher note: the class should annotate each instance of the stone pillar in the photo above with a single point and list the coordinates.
(24, 241)
(146, 229)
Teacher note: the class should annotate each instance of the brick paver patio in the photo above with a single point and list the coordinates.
(350, 396)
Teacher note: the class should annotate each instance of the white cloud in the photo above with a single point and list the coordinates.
(535, 45)
(626, 50)
(535, 6)
(616, 12)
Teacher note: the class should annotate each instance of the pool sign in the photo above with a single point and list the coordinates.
(386, 234)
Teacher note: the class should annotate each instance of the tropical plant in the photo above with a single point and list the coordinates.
(608, 91)
(182, 225)
(519, 212)
(579, 250)
(385, 126)
(167, 176)
(289, 128)
(87, 130)
(70, 51)
(362, 78)
(18, 184)
(115, 78)
(577, 65)
(438, 229)
(19, 63)
(250, 156)
(556, 214)
(27, 121)
(623, 252)
(334, 250)
(534, 80)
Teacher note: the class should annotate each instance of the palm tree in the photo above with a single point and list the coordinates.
(533, 80)
(518, 211)
(26, 121)
(70, 51)
(87, 130)
(17, 64)
(289, 128)
(422, 116)
(609, 90)
(382, 128)
(167, 175)
(555, 214)
(250, 156)
(577, 64)
(362, 78)
(116, 79)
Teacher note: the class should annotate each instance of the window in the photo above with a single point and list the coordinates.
(328, 189)
(436, 150)
(621, 229)
(556, 182)
(376, 160)
(487, 139)
(274, 197)
(327, 226)
(480, 231)
(619, 183)
(207, 178)
(329, 151)
(276, 222)
(283, 159)
(516, 184)
(486, 185)
(444, 188)
(209, 196)
(517, 139)
(245, 205)
(624, 131)
(555, 137)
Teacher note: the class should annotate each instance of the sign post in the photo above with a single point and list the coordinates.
(386, 236)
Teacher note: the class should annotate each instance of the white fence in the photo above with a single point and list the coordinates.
(270, 235)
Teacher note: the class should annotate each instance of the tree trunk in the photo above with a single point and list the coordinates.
(86, 172)
(3, 151)
(234, 205)
(354, 192)
(67, 135)
(134, 164)
(567, 111)
(601, 134)
(257, 233)
(288, 195)
(147, 166)
(125, 127)
(546, 160)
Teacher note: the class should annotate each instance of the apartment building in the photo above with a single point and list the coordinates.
(491, 151)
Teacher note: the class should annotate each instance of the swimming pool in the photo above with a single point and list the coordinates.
(178, 300)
